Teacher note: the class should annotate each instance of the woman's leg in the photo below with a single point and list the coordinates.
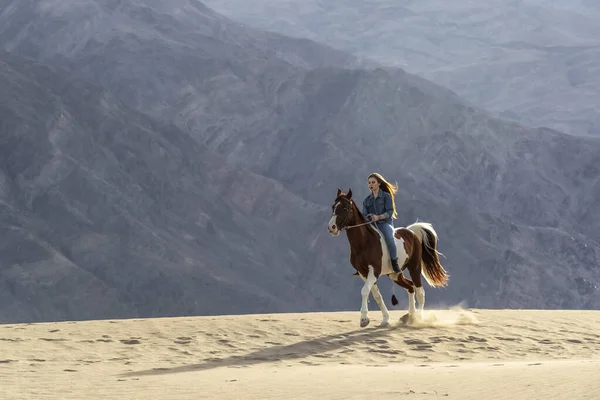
(388, 234)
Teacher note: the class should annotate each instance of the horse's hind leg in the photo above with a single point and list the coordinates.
(420, 291)
(366, 289)
(381, 304)
(410, 289)
(414, 269)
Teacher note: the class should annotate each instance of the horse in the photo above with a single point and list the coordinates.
(417, 252)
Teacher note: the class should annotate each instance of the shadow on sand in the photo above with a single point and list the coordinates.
(299, 350)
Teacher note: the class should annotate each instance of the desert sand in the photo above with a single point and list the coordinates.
(452, 354)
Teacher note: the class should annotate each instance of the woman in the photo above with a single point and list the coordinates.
(380, 208)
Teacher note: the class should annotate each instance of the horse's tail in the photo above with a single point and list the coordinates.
(432, 269)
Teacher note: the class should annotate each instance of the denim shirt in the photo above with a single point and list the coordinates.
(380, 205)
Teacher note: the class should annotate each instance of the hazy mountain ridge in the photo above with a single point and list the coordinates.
(532, 61)
(191, 67)
(459, 148)
(108, 213)
(302, 132)
(100, 22)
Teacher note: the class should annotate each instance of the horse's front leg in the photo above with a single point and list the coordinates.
(366, 289)
(382, 306)
(411, 301)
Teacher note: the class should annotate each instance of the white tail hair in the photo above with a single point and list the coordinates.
(421, 229)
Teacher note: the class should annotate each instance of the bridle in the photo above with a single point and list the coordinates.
(348, 210)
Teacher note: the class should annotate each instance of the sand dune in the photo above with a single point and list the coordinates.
(453, 354)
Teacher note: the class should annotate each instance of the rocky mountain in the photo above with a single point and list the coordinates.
(180, 163)
(107, 213)
(533, 61)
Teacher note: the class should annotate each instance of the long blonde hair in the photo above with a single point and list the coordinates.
(386, 187)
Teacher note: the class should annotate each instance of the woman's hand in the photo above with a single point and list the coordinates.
(374, 217)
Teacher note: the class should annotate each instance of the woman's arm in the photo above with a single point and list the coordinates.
(387, 204)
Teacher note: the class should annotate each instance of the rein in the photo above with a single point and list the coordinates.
(357, 225)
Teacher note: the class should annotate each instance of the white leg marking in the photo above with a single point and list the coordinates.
(411, 303)
(366, 289)
(382, 306)
(420, 291)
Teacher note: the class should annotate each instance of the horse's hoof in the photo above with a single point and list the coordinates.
(364, 322)
(407, 318)
(384, 324)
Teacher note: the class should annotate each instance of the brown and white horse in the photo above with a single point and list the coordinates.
(417, 252)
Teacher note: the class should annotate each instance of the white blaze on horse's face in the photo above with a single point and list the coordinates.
(332, 226)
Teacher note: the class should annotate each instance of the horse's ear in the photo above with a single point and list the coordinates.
(339, 192)
(349, 194)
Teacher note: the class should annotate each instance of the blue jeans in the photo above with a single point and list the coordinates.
(388, 233)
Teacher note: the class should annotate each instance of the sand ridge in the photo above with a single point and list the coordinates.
(205, 356)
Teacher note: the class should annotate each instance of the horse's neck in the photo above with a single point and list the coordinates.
(361, 235)
(357, 215)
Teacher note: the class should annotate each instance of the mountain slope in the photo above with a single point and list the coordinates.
(179, 61)
(107, 213)
(533, 61)
(261, 146)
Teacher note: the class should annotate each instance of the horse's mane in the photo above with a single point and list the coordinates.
(362, 219)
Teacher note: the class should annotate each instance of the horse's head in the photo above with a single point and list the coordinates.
(341, 212)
